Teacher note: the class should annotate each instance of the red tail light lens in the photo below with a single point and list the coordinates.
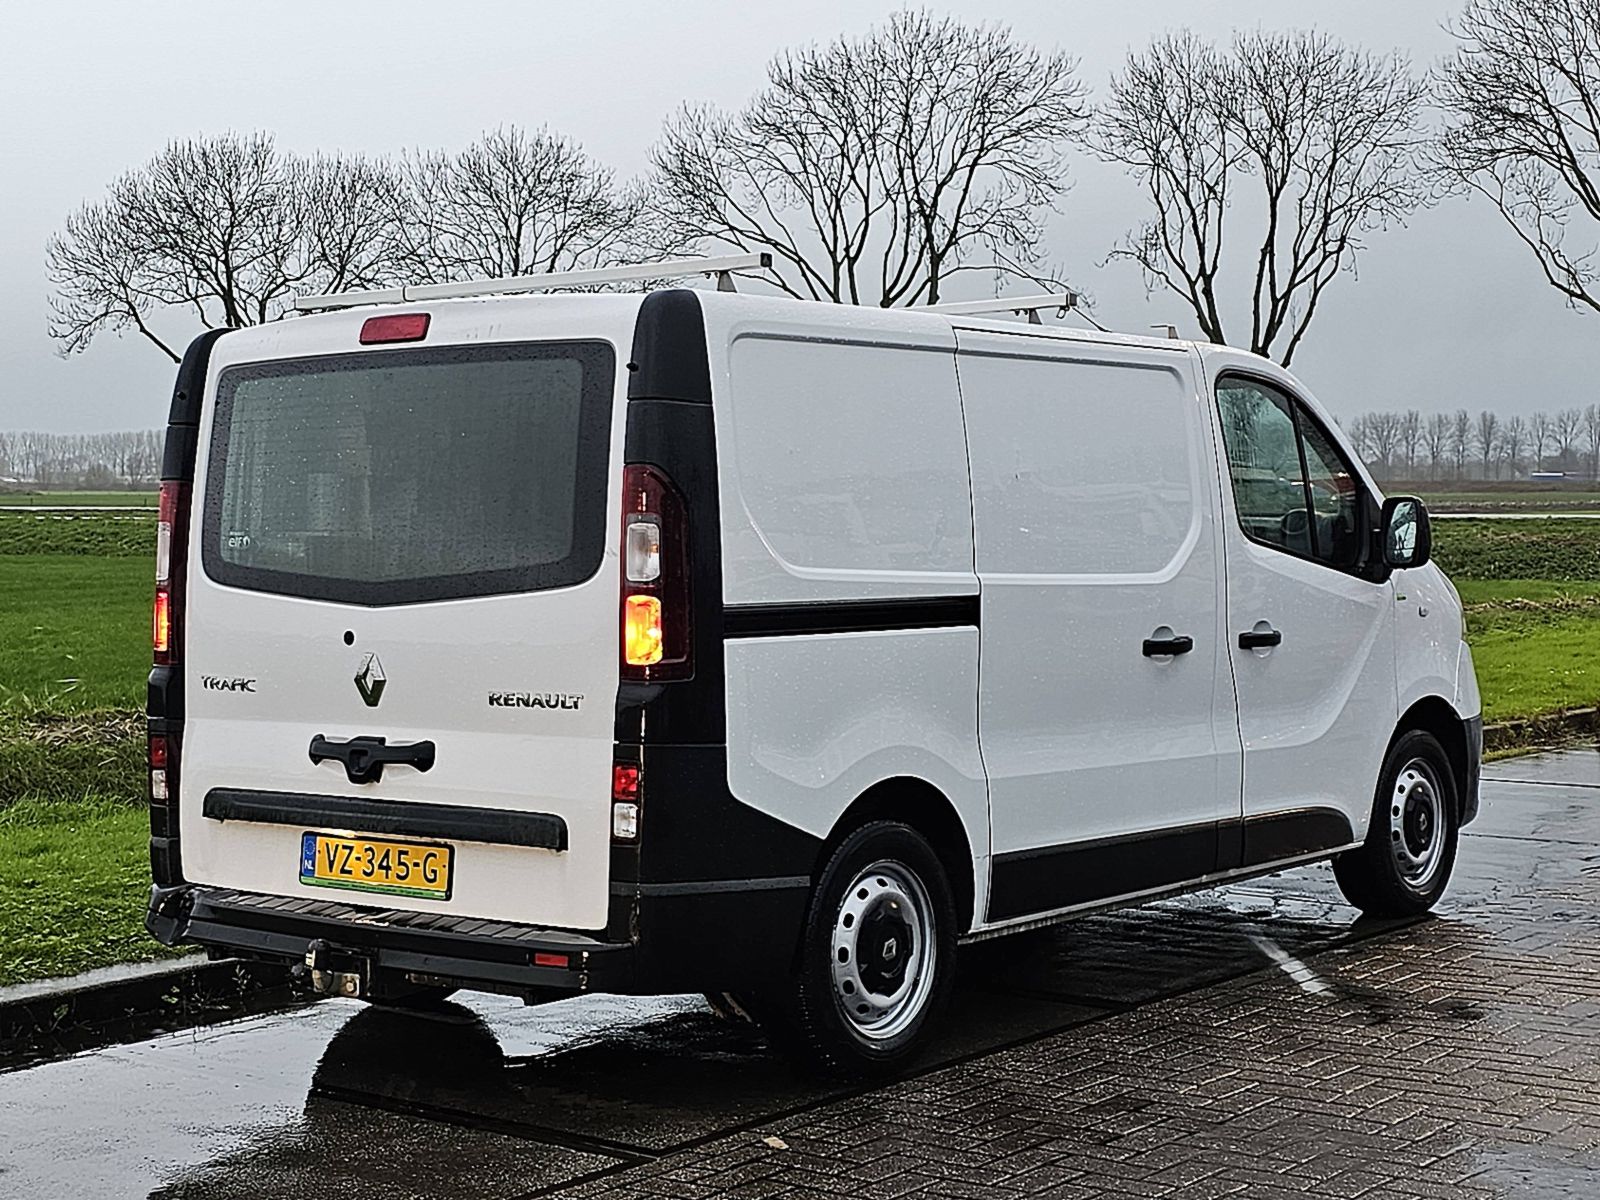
(398, 327)
(172, 535)
(656, 634)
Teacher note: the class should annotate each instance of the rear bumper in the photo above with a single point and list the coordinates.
(493, 955)
(693, 938)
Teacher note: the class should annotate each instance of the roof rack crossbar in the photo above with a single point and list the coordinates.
(1031, 306)
(722, 267)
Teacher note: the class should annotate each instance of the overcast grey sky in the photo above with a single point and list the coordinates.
(1449, 312)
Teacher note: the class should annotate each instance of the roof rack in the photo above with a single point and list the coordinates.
(1031, 305)
(722, 267)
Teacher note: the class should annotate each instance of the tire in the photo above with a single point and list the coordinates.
(1404, 866)
(876, 956)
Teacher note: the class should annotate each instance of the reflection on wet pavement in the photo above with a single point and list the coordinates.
(485, 1097)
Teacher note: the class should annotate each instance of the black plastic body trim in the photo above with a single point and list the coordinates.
(1471, 786)
(495, 826)
(850, 616)
(1029, 882)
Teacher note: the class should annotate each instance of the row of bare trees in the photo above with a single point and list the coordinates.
(879, 168)
(98, 461)
(1458, 445)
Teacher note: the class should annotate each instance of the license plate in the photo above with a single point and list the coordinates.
(376, 865)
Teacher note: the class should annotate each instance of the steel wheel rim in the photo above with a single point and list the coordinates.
(881, 997)
(1417, 823)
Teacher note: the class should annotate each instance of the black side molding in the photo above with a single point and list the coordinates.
(850, 616)
(500, 827)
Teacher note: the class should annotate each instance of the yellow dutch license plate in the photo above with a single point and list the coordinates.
(376, 865)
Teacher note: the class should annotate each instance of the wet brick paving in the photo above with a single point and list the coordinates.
(1257, 1041)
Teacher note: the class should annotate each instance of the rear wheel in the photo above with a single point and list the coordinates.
(1404, 865)
(877, 954)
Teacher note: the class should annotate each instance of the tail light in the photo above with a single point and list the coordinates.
(656, 633)
(172, 535)
(625, 801)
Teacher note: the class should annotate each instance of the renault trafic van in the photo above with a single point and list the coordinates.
(699, 641)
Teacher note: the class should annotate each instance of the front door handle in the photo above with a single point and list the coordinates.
(365, 757)
(1160, 647)
(1259, 639)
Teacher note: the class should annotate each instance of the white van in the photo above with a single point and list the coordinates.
(697, 641)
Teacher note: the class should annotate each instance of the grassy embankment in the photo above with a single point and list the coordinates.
(74, 597)
(74, 622)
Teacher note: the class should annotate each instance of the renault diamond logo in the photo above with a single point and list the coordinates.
(370, 680)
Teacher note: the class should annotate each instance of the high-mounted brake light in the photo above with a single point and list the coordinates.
(172, 519)
(656, 634)
(396, 327)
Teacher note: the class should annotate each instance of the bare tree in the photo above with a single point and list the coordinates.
(1564, 428)
(1539, 433)
(1460, 440)
(1513, 438)
(1326, 133)
(1383, 439)
(513, 203)
(1437, 437)
(1488, 435)
(877, 169)
(1591, 432)
(1411, 439)
(1523, 97)
(224, 230)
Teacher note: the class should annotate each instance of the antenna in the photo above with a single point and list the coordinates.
(723, 268)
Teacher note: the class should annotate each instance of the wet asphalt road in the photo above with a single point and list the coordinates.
(649, 1096)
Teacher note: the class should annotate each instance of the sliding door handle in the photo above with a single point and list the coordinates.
(1163, 647)
(1259, 639)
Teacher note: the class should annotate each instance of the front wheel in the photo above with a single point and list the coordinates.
(1404, 865)
(878, 952)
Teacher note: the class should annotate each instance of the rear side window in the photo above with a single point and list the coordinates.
(403, 476)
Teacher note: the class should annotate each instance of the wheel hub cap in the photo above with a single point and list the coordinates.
(883, 951)
(1416, 823)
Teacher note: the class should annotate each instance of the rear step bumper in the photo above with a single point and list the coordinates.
(490, 955)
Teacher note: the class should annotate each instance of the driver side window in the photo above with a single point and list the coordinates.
(1292, 488)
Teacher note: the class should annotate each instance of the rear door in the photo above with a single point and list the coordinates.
(1105, 710)
(407, 544)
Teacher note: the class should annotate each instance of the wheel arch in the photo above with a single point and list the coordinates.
(926, 809)
(1435, 715)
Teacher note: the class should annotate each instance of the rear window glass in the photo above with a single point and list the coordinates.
(401, 476)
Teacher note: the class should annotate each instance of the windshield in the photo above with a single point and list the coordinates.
(409, 475)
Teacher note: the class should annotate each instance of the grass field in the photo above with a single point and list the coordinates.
(73, 877)
(52, 499)
(74, 611)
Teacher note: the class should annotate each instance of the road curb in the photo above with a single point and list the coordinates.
(1548, 730)
(53, 1017)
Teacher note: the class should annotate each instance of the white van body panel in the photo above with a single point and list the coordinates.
(842, 471)
(1317, 712)
(441, 661)
(1095, 512)
(841, 463)
(1428, 643)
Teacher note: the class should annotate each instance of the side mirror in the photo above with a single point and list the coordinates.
(1407, 532)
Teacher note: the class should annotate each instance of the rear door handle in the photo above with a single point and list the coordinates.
(365, 757)
(1160, 647)
(1259, 639)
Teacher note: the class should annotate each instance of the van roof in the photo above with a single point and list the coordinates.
(610, 307)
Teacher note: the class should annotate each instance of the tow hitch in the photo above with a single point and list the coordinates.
(330, 972)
